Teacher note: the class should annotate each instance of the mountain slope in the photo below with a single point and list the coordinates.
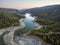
(48, 12)
(9, 17)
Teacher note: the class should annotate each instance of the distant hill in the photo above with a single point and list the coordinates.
(22, 10)
(45, 9)
(8, 10)
(50, 12)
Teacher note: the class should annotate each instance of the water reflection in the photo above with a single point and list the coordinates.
(28, 15)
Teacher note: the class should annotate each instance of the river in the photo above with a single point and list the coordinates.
(28, 25)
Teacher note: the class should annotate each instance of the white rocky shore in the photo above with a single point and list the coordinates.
(8, 38)
(12, 28)
(38, 26)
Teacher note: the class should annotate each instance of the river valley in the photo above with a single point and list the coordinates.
(11, 39)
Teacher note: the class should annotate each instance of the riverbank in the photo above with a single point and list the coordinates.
(12, 28)
(37, 25)
(9, 38)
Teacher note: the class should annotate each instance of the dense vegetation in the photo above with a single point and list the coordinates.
(53, 39)
(52, 31)
(49, 17)
(8, 17)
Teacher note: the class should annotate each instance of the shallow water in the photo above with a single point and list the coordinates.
(29, 24)
(29, 40)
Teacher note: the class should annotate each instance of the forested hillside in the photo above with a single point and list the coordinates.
(8, 17)
(48, 12)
